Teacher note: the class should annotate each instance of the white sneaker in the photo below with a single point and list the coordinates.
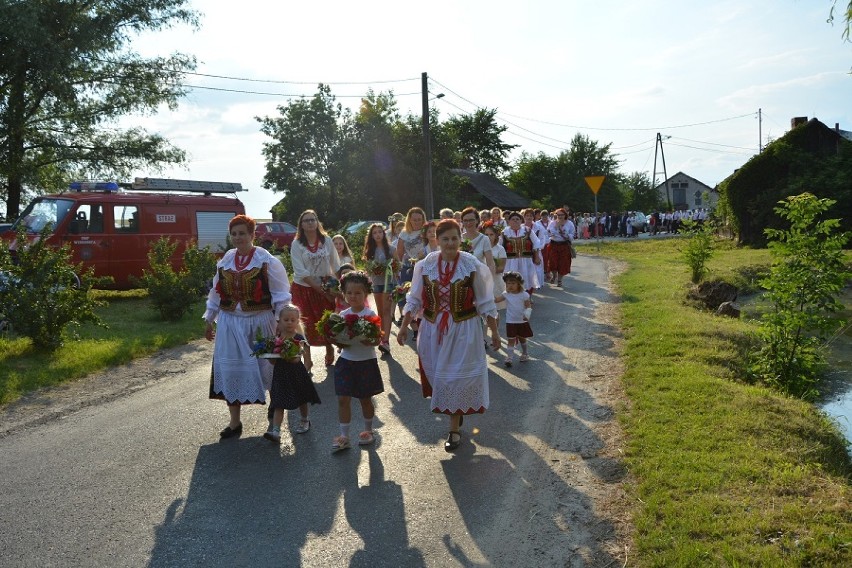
(273, 435)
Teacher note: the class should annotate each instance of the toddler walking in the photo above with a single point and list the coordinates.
(292, 386)
(356, 372)
(518, 311)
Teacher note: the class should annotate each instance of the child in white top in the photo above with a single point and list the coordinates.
(356, 372)
(518, 311)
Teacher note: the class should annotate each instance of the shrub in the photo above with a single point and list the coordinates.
(699, 248)
(807, 275)
(173, 292)
(43, 296)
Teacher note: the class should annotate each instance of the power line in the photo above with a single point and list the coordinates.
(282, 94)
(655, 128)
(283, 82)
(712, 143)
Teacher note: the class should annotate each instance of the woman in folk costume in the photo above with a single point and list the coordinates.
(540, 231)
(523, 251)
(451, 288)
(250, 288)
(314, 260)
(561, 231)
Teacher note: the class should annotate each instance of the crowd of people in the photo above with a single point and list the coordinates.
(632, 223)
(462, 271)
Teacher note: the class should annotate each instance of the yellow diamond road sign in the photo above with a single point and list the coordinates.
(595, 183)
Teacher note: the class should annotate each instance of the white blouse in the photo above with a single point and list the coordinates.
(323, 262)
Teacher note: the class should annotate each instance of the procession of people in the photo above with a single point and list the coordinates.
(451, 278)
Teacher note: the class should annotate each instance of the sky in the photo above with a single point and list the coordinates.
(695, 72)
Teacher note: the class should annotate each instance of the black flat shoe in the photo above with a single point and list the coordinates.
(453, 441)
(229, 432)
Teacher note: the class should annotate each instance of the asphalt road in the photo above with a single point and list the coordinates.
(139, 477)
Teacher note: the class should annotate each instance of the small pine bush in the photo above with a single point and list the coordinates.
(173, 292)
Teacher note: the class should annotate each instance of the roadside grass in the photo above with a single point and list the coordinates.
(135, 330)
(727, 474)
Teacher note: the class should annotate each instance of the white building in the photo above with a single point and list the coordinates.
(686, 192)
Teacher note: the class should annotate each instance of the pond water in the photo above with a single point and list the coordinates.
(836, 391)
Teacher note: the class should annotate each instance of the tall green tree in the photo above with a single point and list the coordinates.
(307, 159)
(587, 157)
(67, 73)
(477, 139)
(536, 176)
(639, 193)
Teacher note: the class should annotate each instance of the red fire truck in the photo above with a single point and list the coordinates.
(111, 226)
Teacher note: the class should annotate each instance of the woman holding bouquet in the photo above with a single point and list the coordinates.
(380, 263)
(250, 288)
(314, 260)
(409, 245)
(451, 288)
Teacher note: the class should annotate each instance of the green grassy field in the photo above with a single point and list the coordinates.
(135, 330)
(726, 473)
(723, 473)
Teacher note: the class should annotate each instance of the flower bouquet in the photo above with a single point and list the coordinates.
(349, 329)
(330, 284)
(380, 267)
(401, 291)
(466, 246)
(275, 347)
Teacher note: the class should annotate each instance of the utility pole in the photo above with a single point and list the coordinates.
(760, 130)
(429, 205)
(658, 148)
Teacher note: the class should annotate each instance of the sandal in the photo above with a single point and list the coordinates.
(340, 443)
(303, 426)
(453, 441)
(365, 438)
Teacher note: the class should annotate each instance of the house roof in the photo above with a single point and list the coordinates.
(492, 189)
(662, 185)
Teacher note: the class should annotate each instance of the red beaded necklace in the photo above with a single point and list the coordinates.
(313, 247)
(241, 265)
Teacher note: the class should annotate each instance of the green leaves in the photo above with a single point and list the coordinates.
(807, 275)
(43, 296)
(173, 292)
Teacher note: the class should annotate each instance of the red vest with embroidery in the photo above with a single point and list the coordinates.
(249, 288)
(518, 246)
(462, 299)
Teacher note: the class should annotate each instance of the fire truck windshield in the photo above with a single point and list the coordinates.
(44, 211)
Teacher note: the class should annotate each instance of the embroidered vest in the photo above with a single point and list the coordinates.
(249, 288)
(462, 306)
(518, 246)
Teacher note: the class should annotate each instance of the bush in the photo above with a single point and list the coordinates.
(807, 275)
(173, 292)
(43, 296)
(699, 248)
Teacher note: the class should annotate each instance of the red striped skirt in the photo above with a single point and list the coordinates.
(312, 304)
